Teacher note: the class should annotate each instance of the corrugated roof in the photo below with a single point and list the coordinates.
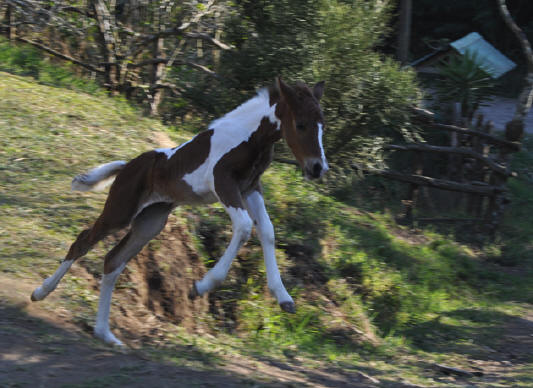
(490, 59)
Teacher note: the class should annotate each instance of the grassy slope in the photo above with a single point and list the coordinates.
(412, 296)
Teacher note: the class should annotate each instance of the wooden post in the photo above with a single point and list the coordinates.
(454, 161)
(479, 174)
(412, 194)
(485, 151)
(10, 21)
(497, 202)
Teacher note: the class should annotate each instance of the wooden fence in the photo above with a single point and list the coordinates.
(477, 166)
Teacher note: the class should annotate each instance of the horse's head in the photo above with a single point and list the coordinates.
(302, 125)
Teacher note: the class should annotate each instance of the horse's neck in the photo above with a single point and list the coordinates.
(255, 121)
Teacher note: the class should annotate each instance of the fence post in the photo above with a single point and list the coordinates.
(412, 194)
(9, 19)
(498, 200)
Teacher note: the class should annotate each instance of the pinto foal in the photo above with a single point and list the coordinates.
(223, 163)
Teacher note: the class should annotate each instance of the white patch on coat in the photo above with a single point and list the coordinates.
(169, 152)
(228, 132)
(98, 178)
(322, 153)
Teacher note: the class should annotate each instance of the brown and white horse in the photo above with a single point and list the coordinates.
(223, 163)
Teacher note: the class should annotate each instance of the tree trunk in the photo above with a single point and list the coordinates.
(10, 21)
(108, 45)
(404, 31)
(526, 97)
(157, 75)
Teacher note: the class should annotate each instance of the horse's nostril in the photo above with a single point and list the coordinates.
(317, 169)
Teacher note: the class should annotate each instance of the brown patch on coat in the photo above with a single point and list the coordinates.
(169, 174)
(149, 174)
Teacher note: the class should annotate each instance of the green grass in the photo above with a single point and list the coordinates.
(370, 294)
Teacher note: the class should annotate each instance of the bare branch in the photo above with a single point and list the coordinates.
(451, 150)
(208, 38)
(202, 68)
(474, 188)
(154, 61)
(62, 56)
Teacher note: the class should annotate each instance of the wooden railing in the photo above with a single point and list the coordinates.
(483, 183)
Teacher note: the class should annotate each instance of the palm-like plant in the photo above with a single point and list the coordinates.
(463, 80)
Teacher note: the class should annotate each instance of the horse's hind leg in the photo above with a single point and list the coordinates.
(83, 243)
(146, 226)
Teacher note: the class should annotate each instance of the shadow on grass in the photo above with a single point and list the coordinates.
(476, 333)
(38, 353)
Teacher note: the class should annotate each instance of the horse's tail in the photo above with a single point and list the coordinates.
(98, 178)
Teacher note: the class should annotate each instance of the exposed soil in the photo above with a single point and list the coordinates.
(155, 287)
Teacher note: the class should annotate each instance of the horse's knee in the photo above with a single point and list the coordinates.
(243, 229)
(265, 231)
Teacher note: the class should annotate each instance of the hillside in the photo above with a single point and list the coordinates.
(378, 304)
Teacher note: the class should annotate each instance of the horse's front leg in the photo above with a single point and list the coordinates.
(242, 228)
(265, 231)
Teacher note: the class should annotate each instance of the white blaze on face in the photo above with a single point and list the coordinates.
(322, 153)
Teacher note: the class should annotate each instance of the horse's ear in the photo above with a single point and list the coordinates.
(318, 90)
(285, 90)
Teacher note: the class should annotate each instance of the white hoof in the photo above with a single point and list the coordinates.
(38, 294)
(202, 286)
(108, 338)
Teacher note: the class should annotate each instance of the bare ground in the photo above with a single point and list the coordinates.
(39, 348)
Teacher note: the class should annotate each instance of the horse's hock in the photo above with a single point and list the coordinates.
(154, 288)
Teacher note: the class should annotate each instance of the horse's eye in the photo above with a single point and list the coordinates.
(300, 127)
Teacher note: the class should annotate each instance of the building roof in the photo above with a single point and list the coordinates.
(490, 59)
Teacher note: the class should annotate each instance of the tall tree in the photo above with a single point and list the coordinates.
(515, 128)
(404, 31)
(132, 43)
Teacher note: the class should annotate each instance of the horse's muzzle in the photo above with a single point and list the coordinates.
(315, 168)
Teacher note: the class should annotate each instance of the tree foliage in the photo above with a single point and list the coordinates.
(462, 80)
(131, 44)
(210, 55)
(367, 95)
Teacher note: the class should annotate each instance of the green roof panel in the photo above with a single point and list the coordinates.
(491, 60)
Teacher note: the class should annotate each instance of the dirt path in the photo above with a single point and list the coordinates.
(40, 348)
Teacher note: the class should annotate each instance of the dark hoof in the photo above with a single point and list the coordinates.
(193, 293)
(288, 307)
(32, 297)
